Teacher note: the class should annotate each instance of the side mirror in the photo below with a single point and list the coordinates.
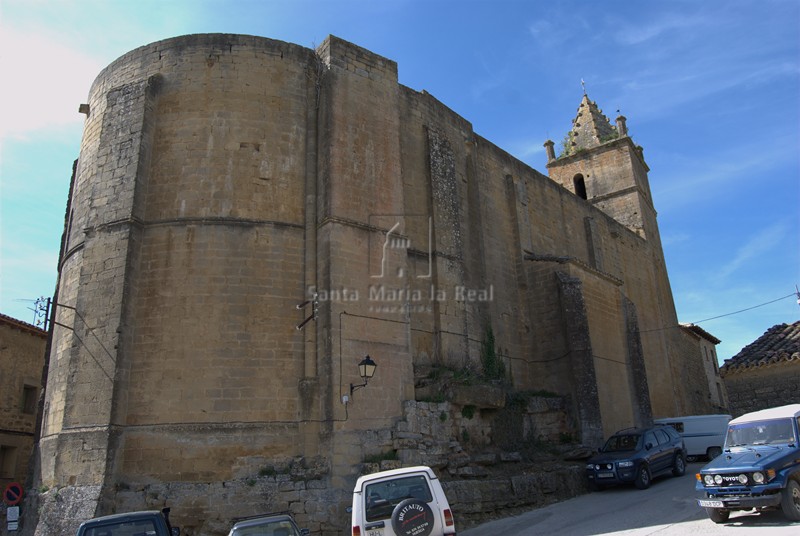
(648, 446)
(176, 531)
(349, 509)
(304, 532)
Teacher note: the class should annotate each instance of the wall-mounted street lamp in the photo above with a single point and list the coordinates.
(366, 369)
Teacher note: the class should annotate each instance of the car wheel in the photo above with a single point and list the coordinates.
(790, 500)
(713, 452)
(679, 465)
(642, 477)
(718, 515)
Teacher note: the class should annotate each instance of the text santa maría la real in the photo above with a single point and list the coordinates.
(386, 293)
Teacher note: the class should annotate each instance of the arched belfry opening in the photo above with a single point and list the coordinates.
(579, 185)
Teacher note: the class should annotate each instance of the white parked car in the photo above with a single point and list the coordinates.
(401, 502)
(703, 435)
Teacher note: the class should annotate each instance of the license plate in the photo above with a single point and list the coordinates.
(375, 532)
(605, 475)
(710, 504)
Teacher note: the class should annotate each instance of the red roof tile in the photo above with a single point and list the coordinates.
(778, 344)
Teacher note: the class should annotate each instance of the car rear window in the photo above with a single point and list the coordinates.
(382, 497)
(142, 527)
(269, 528)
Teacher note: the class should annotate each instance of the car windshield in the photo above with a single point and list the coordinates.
(142, 527)
(760, 433)
(622, 443)
(382, 497)
(267, 528)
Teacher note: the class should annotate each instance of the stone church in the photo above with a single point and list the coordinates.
(248, 219)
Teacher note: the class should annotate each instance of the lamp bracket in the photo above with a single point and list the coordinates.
(356, 387)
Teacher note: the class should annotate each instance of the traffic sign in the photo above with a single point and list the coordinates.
(13, 494)
(12, 515)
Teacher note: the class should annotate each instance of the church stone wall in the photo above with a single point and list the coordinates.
(225, 179)
(184, 260)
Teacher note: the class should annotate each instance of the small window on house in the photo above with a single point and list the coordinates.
(580, 186)
(8, 461)
(29, 399)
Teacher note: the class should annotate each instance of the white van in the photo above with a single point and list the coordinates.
(703, 435)
(401, 502)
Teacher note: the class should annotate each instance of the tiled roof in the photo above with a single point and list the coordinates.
(700, 332)
(19, 324)
(780, 343)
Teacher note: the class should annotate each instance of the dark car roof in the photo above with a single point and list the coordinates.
(249, 522)
(631, 431)
(122, 516)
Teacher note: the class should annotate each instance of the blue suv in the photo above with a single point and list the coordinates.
(759, 466)
(637, 455)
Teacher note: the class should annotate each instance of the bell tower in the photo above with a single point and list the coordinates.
(601, 164)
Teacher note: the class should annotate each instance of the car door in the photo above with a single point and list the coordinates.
(654, 457)
(665, 448)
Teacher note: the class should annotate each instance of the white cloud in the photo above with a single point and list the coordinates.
(44, 82)
(657, 93)
(553, 32)
(757, 245)
(675, 238)
(637, 34)
(709, 170)
(546, 33)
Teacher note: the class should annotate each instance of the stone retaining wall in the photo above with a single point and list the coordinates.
(762, 387)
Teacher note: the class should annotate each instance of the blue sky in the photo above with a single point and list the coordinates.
(711, 90)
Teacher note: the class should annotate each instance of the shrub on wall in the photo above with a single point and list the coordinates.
(493, 366)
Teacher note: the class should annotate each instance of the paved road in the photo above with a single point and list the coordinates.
(667, 508)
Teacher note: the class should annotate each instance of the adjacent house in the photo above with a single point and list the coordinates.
(765, 373)
(22, 348)
(717, 395)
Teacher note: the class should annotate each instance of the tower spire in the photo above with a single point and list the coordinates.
(602, 165)
(590, 127)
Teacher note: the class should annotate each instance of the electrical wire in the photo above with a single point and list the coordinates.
(722, 316)
(748, 309)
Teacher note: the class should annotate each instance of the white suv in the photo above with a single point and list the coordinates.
(401, 502)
